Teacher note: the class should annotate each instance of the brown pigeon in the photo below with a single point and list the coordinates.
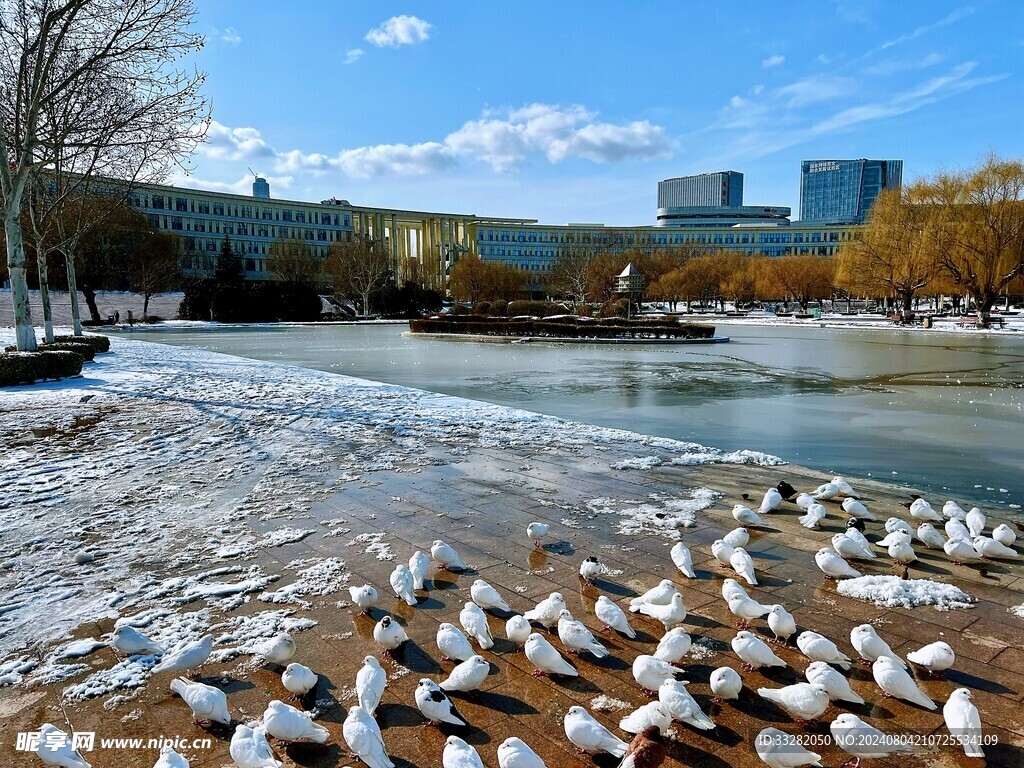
(646, 750)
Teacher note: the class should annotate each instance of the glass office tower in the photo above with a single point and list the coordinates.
(842, 191)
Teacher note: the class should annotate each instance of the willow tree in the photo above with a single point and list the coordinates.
(81, 75)
(976, 218)
(895, 254)
(803, 278)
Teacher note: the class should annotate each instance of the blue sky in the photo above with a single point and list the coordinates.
(573, 111)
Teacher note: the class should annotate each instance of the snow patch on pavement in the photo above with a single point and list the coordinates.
(894, 592)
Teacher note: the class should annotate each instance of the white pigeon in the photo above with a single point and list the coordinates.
(402, 583)
(976, 521)
(895, 524)
(833, 566)
(613, 617)
(577, 638)
(1004, 535)
(863, 741)
(279, 649)
(857, 509)
(435, 705)
(187, 656)
(285, 722)
(682, 559)
(804, 501)
(55, 748)
(746, 609)
(825, 492)
(779, 749)
(371, 679)
(452, 643)
(772, 500)
(659, 595)
(170, 759)
(547, 610)
(902, 552)
(955, 529)
(993, 549)
(935, 657)
(928, 535)
(670, 615)
(487, 597)
(961, 550)
(781, 623)
(129, 640)
(837, 686)
(363, 737)
(964, 721)
(650, 672)
(446, 557)
(517, 629)
(737, 537)
(860, 538)
(364, 597)
(803, 701)
(813, 516)
(922, 510)
(819, 648)
(589, 735)
(747, 517)
(849, 547)
(895, 681)
(731, 587)
(474, 621)
(458, 754)
(206, 702)
(467, 676)
(389, 633)
(515, 753)
(298, 679)
(896, 536)
(845, 488)
(743, 565)
(754, 652)
(674, 645)
(419, 564)
(722, 551)
(536, 533)
(546, 659)
(250, 748)
(869, 645)
(681, 706)
(653, 713)
(591, 568)
(953, 510)
(726, 683)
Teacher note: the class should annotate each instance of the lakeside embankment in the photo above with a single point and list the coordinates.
(214, 493)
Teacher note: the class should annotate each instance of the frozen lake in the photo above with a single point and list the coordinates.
(939, 411)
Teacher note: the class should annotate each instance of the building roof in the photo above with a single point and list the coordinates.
(629, 271)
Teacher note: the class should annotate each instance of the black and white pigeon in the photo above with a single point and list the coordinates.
(435, 705)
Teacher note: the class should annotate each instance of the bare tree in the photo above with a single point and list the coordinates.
(358, 267)
(153, 266)
(293, 262)
(570, 276)
(80, 75)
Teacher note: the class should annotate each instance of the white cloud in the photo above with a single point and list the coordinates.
(814, 89)
(399, 30)
(773, 61)
(893, 66)
(945, 21)
(353, 55)
(823, 59)
(231, 37)
(241, 187)
(503, 139)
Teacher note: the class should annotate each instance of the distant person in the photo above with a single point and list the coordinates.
(130, 318)
(117, 318)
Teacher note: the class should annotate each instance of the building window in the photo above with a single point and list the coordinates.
(286, 215)
(204, 206)
(176, 223)
(158, 202)
(181, 204)
(218, 209)
(246, 211)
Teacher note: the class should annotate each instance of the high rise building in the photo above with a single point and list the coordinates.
(724, 188)
(842, 191)
(261, 188)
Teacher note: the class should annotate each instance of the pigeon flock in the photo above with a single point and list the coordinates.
(550, 636)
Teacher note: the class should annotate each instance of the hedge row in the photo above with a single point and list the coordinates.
(562, 327)
(87, 351)
(97, 342)
(29, 367)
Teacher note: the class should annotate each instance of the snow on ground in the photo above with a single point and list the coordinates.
(171, 472)
(894, 592)
(1017, 610)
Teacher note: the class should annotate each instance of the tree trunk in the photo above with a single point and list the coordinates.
(984, 307)
(366, 304)
(90, 300)
(145, 305)
(908, 307)
(26, 333)
(76, 312)
(44, 294)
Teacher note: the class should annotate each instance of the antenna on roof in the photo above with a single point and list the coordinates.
(254, 174)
